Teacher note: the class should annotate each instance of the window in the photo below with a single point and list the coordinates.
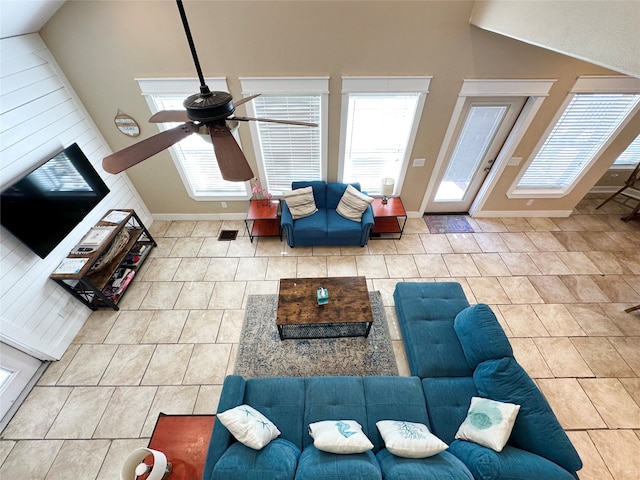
(631, 156)
(194, 156)
(380, 117)
(585, 127)
(288, 153)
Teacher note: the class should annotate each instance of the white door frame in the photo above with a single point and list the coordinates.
(535, 90)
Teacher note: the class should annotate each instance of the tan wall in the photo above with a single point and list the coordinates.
(103, 46)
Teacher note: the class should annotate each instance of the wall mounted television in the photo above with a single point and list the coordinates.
(46, 204)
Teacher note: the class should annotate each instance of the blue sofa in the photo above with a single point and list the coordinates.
(455, 352)
(459, 352)
(293, 403)
(326, 226)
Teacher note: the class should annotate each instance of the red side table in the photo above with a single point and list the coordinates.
(389, 219)
(263, 219)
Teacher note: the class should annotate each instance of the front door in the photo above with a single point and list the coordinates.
(16, 371)
(480, 134)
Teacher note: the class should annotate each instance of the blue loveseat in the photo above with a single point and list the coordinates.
(455, 352)
(326, 226)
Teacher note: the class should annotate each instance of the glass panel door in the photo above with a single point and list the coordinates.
(477, 134)
(481, 133)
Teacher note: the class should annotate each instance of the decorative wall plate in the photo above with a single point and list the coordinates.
(126, 124)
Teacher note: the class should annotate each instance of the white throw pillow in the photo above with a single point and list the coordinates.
(339, 436)
(353, 204)
(409, 440)
(301, 202)
(249, 426)
(488, 423)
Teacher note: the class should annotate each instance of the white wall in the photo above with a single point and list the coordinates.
(603, 33)
(39, 115)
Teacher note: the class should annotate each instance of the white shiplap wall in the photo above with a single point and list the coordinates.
(39, 115)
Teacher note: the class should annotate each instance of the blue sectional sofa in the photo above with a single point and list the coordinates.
(326, 226)
(455, 352)
(461, 351)
(293, 403)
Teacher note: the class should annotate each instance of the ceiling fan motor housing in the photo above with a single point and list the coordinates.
(209, 107)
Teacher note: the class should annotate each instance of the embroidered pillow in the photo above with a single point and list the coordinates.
(488, 423)
(249, 426)
(353, 204)
(339, 436)
(409, 440)
(300, 202)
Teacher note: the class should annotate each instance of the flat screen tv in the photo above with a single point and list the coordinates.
(42, 207)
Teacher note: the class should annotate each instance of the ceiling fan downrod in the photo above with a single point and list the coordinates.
(204, 89)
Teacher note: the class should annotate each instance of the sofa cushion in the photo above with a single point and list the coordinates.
(392, 398)
(481, 335)
(319, 190)
(409, 439)
(281, 400)
(448, 400)
(510, 464)
(536, 429)
(339, 436)
(300, 202)
(442, 466)
(488, 423)
(340, 227)
(277, 461)
(426, 311)
(353, 204)
(313, 226)
(329, 398)
(249, 426)
(317, 465)
(335, 191)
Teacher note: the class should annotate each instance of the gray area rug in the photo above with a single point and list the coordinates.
(263, 354)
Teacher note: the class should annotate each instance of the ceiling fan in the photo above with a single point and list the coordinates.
(206, 113)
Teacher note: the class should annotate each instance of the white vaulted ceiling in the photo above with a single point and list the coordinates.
(19, 17)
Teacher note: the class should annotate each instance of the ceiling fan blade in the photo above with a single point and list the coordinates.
(232, 162)
(136, 153)
(285, 122)
(168, 116)
(245, 99)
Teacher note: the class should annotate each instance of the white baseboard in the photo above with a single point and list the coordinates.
(605, 189)
(522, 213)
(198, 216)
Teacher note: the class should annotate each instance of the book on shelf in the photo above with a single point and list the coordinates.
(70, 265)
(115, 217)
(96, 236)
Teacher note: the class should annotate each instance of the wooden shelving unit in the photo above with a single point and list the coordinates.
(104, 285)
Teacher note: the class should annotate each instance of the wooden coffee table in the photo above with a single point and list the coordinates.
(348, 313)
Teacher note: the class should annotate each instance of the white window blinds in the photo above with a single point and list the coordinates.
(631, 156)
(583, 129)
(289, 152)
(377, 135)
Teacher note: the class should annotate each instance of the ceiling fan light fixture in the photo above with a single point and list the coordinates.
(207, 108)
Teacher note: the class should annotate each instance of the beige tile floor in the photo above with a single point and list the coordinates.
(559, 286)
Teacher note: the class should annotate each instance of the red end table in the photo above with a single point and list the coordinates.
(389, 219)
(263, 219)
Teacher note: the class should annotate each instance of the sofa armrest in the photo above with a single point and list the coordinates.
(232, 395)
(286, 222)
(367, 225)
